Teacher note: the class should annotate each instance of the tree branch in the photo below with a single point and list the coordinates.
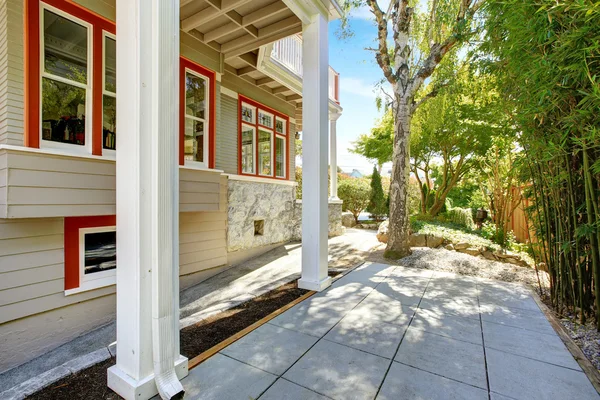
(434, 92)
(382, 56)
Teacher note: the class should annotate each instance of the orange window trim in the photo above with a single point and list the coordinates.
(211, 75)
(72, 225)
(244, 99)
(33, 73)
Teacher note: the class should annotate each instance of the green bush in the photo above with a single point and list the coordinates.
(461, 216)
(378, 206)
(356, 194)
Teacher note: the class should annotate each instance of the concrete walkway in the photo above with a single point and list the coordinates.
(390, 332)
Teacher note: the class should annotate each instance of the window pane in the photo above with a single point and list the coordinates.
(247, 150)
(264, 153)
(280, 126)
(279, 157)
(265, 119)
(100, 252)
(248, 114)
(194, 140)
(65, 47)
(110, 65)
(63, 112)
(195, 101)
(109, 122)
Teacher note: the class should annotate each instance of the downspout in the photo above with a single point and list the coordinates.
(165, 200)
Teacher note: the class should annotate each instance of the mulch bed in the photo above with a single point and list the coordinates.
(90, 383)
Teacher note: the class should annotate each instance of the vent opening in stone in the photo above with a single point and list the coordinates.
(259, 227)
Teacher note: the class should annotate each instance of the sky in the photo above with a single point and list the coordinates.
(359, 74)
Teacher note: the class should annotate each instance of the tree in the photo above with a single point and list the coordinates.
(356, 194)
(421, 39)
(378, 145)
(377, 203)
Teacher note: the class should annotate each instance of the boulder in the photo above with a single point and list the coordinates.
(461, 246)
(449, 246)
(488, 255)
(434, 241)
(348, 219)
(417, 240)
(382, 232)
(470, 250)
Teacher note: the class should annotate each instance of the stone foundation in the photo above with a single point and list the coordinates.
(334, 218)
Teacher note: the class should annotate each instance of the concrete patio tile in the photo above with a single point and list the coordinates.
(401, 271)
(404, 382)
(368, 334)
(452, 326)
(525, 379)
(223, 378)
(345, 289)
(447, 357)
(459, 306)
(517, 317)
(309, 319)
(339, 372)
(286, 390)
(546, 348)
(512, 296)
(408, 293)
(377, 268)
(270, 348)
(379, 306)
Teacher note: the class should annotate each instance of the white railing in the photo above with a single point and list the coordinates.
(288, 52)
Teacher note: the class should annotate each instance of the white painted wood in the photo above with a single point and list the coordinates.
(315, 58)
(148, 358)
(333, 155)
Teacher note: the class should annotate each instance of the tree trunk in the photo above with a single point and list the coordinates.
(399, 227)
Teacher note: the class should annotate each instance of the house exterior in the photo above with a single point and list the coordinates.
(239, 82)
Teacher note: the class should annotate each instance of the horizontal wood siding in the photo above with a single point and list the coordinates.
(11, 72)
(39, 185)
(227, 135)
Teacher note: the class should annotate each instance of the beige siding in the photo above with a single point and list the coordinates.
(199, 190)
(227, 135)
(11, 72)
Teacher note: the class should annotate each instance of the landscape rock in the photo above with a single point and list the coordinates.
(488, 255)
(470, 250)
(348, 219)
(434, 241)
(461, 246)
(417, 240)
(382, 232)
(449, 246)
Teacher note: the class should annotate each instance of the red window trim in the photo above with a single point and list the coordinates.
(33, 73)
(72, 226)
(244, 99)
(211, 75)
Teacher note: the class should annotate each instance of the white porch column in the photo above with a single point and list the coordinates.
(333, 195)
(148, 360)
(315, 56)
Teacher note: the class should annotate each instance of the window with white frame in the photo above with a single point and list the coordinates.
(66, 79)
(263, 141)
(98, 256)
(196, 117)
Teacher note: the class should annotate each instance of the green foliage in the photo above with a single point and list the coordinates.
(461, 216)
(379, 144)
(378, 206)
(356, 194)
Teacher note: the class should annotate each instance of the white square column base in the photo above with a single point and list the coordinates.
(316, 286)
(130, 389)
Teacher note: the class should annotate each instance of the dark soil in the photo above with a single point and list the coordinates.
(91, 382)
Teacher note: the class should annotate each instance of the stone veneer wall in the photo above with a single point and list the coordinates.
(250, 201)
(277, 206)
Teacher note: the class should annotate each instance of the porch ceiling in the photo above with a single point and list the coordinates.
(237, 29)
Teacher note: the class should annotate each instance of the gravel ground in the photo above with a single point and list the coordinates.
(586, 336)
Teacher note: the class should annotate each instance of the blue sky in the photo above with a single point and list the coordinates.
(359, 73)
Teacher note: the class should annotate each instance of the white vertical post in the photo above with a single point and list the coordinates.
(148, 360)
(315, 58)
(333, 195)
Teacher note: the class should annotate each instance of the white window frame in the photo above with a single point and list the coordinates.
(254, 114)
(254, 161)
(98, 279)
(205, 120)
(262, 111)
(272, 132)
(278, 136)
(284, 126)
(106, 152)
(70, 148)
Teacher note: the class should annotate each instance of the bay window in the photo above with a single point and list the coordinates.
(262, 140)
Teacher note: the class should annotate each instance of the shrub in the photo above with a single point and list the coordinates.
(356, 194)
(378, 206)
(461, 216)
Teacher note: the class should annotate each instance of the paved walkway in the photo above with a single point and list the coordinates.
(399, 333)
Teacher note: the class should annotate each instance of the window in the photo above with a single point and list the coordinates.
(90, 253)
(263, 140)
(70, 78)
(197, 115)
